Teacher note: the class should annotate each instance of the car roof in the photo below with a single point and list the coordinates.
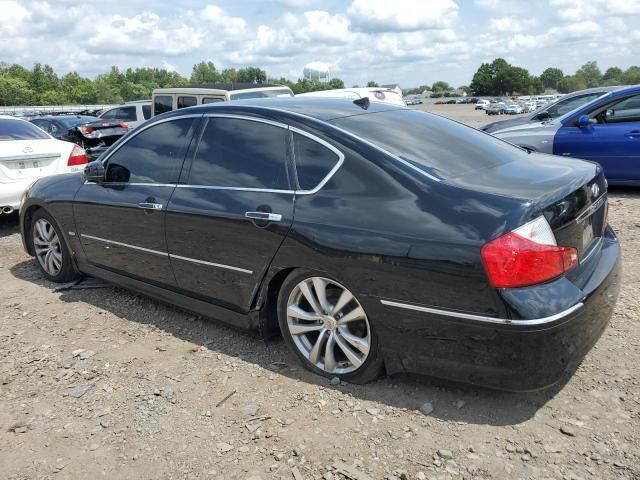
(55, 117)
(320, 108)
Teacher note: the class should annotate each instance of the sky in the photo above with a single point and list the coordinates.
(407, 42)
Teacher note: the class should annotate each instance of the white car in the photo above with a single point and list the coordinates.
(133, 113)
(482, 104)
(375, 94)
(28, 153)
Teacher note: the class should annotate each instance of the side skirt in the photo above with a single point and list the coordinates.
(169, 297)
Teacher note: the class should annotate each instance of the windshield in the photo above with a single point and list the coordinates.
(261, 94)
(569, 114)
(432, 143)
(20, 130)
(565, 105)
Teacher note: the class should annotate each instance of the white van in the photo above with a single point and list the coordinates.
(167, 99)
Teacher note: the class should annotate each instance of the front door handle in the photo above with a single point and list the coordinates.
(150, 206)
(270, 217)
(633, 134)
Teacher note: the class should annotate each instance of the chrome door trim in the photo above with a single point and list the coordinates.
(126, 245)
(483, 318)
(211, 264)
(271, 217)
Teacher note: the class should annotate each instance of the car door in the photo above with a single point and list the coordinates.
(225, 224)
(121, 221)
(612, 138)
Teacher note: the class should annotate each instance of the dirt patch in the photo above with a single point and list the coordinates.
(104, 383)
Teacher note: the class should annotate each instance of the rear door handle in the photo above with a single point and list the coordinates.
(150, 206)
(270, 217)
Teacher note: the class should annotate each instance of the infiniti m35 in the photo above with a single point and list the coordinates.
(373, 237)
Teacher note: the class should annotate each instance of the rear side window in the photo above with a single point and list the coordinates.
(241, 153)
(431, 143)
(314, 161)
(146, 111)
(153, 156)
(19, 130)
(184, 102)
(128, 114)
(110, 114)
(206, 100)
(161, 104)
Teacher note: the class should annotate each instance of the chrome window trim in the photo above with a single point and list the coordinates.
(483, 318)
(135, 184)
(211, 264)
(247, 117)
(167, 255)
(360, 139)
(327, 145)
(240, 189)
(134, 247)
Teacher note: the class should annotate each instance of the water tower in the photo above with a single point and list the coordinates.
(317, 71)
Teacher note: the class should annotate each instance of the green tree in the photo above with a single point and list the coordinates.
(571, 84)
(251, 75)
(440, 86)
(612, 74)
(336, 83)
(550, 77)
(590, 74)
(536, 86)
(631, 76)
(15, 91)
(371, 83)
(205, 72)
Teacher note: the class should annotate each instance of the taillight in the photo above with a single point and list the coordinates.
(78, 156)
(85, 129)
(124, 125)
(526, 256)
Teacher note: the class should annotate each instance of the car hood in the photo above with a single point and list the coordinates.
(528, 127)
(501, 125)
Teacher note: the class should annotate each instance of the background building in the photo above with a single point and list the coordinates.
(317, 71)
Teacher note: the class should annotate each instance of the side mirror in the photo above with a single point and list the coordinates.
(583, 121)
(94, 172)
(542, 116)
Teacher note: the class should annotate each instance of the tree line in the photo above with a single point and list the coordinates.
(501, 78)
(41, 85)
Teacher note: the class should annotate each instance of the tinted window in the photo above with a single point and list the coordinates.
(260, 94)
(241, 153)
(565, 106)
(627, 110)
(153, 156)
(187, 102)
(146, 111)
(128, 114)
(430, 142)
(20, 130)
(314, 161)
(162, 104)
(110, 114)
(206, 100)
(70, 122)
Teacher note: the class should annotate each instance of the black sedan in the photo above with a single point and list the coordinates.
(373, 237)
(91, 133)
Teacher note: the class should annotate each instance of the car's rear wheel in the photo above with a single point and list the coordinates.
(50, 248)
(328, 329)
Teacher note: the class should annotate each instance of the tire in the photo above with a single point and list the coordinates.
(342, 327)
(50, 248)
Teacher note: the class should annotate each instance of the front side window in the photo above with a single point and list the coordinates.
(314, 161)
(162, 103)
(184, 102)
(20, 130)
(110, 114)
(155, 155)
(565, 106)
(241, 153)
(126, 114)
(146, 111)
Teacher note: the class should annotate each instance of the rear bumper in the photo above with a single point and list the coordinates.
(517, 355)
(10, 193)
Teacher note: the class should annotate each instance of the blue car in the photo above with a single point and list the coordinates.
(605, 130)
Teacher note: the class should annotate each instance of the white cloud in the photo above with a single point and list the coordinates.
(577, 11)
(401, 15)
(511, 24)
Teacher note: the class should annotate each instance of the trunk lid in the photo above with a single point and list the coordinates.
(28, 159)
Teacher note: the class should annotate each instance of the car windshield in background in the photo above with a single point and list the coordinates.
(430, 142)
(261, 94)
(70, 122)
(20, 130)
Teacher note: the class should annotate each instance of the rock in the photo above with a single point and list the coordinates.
(421, 476)
(426, 408)
(446, 454)
(335, 381)
(93, 447)
(249, 409)
(460, 403)
(373, 411)
(86, 354)
(80, 392)
(567, 431)
(511, 448)
(224, 447)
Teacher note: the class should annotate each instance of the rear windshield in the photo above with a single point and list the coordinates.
(20, 130)
(70, 122)
(432, 143)
(261, 94)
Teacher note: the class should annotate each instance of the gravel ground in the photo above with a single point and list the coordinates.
(103, 383)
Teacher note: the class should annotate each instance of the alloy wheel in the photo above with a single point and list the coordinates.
(328, 325)
(47, 247)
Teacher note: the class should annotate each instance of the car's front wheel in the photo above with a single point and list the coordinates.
(50, 249)
(328, 329)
